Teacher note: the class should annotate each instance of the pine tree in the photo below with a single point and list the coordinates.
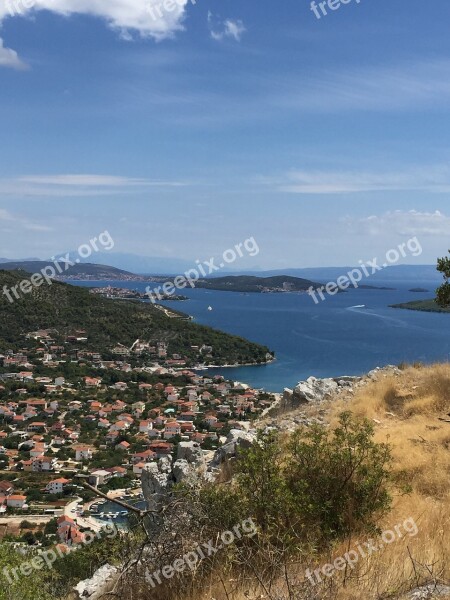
(443, 292)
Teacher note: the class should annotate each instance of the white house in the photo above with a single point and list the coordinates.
(83, 453)
(172, 429)
(138, 468)
(16, 501)
(145, 426)
(99, 477)
(56, 486)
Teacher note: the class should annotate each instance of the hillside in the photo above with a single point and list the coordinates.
(253, 284)
(409, 410)
(422, 305)
(79, 271)
(395, 438)
(108, 322)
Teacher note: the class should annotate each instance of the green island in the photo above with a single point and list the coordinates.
(423, 305)
(252, 284)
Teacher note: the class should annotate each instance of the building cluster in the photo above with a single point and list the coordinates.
(66, 412)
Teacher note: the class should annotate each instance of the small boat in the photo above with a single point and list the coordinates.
(210, 308)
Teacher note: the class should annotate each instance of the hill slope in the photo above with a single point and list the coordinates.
(422, 305)
(110, 322)
(78, 271)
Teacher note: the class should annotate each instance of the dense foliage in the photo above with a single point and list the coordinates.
(323, 486)
(443, 292)
(110, 322)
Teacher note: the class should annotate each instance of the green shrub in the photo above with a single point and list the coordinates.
(319, 487)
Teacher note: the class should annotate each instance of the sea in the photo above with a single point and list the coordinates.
(347, 334)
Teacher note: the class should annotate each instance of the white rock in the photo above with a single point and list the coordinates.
(315, 390)
(192, 453)
(181, 470)
(95, 587)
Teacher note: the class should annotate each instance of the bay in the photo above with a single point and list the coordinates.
(347, 334)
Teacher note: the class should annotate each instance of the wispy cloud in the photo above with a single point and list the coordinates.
(426, 179)
(405, 86)
(12, 221)
(404, 223)
(73, 185)
(5, 215)
(228, 28)
(10, 59)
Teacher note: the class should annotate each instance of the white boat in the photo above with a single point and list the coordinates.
(210, 308)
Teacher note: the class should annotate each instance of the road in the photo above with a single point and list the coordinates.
(85, 522)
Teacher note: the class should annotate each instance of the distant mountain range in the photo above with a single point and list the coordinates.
(127, 262)
(396, 273)
(7, 260)
(144, 265)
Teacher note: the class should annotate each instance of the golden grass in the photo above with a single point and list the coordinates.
(405, 410)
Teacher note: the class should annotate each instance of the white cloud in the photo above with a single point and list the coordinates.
(426, 179)
(82, 180)
(78, 185)
(148, 18)
(10, 59)
(226, 29)
(404, 223)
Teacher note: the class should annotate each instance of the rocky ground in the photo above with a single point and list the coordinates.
(311, 400)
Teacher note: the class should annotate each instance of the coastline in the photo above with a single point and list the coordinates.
(252, 364)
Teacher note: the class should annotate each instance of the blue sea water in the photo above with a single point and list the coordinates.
(347, 334)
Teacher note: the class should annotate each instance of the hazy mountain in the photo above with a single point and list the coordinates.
(7, 260)
(148, 265)
(419, 273)
(79, 271)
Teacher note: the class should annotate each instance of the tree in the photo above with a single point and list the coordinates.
(443, 292)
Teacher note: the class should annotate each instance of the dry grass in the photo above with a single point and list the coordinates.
(406, 409)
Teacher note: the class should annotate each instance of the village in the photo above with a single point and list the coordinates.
(70, 415)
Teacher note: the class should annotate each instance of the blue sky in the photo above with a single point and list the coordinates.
(189, 131)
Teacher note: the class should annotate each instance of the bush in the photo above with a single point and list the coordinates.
(321, 487)
(27, 525)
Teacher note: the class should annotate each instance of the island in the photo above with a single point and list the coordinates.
(422, 305)
(258, 285)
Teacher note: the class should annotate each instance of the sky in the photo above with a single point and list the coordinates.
(186, 127)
